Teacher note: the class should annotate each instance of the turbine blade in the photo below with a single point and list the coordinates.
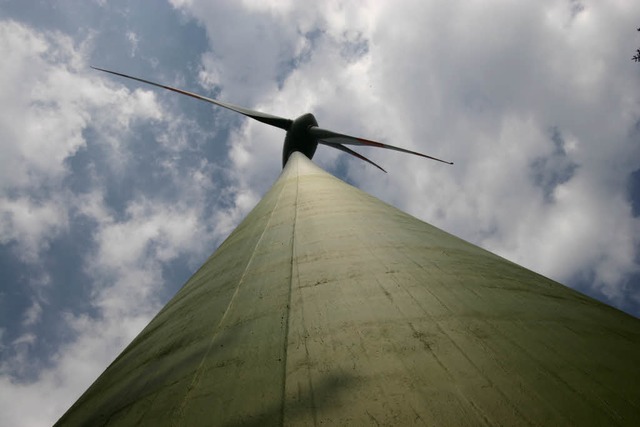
(350, 151)
(338, 138)
(269, 119)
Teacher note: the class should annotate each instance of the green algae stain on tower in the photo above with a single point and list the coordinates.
(328, 306)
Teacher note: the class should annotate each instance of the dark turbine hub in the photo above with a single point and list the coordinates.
(299, 138)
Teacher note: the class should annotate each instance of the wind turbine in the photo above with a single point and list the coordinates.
(303, 133)
(328, 306)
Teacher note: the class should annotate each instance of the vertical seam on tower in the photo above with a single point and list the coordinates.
(196, 376)
(288, 319)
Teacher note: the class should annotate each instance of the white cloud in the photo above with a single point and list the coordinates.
(33, 314)
(32, 223)
(254, 44)
(47, 102)
(133, 40)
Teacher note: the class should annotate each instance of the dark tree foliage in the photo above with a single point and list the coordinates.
(636, 57)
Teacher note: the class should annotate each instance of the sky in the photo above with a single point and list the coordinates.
(113, 193)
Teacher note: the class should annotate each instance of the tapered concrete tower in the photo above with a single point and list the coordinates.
(328, 306)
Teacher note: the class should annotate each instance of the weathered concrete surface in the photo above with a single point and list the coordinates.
(327, 306)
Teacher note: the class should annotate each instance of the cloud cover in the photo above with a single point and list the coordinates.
(537, 104)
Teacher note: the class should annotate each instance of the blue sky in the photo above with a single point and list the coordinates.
(113, 193)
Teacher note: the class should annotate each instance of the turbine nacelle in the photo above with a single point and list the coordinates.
(303, 133)
(299, 138)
